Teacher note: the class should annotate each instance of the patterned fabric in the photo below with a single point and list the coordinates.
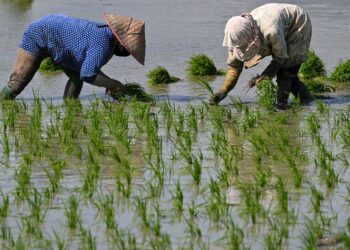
(75, 44)
(285, 34)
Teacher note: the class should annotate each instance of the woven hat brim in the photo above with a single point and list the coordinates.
(130, 33)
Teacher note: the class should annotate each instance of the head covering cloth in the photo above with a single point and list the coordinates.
(242, 36)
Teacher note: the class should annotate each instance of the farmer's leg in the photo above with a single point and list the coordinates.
(284, 83)
(24, 70)
(73, 86)
(298, 88)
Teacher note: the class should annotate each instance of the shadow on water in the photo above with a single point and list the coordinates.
(20, 5)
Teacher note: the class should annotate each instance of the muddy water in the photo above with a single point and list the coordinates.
(175, 31)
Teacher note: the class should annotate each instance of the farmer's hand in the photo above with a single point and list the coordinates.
(117, 91)
(254, 82)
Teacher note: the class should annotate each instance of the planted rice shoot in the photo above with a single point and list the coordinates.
(202, 65)
(160, 75)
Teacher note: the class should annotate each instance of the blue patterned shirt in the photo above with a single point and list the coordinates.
(76, 44)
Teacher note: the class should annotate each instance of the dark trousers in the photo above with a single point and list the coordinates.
(289, 82)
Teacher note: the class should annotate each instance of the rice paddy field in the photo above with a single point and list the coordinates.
(174, 173)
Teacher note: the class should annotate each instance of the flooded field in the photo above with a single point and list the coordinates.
(177, 174)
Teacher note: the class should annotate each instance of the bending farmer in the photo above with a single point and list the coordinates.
(80, 47)
(280, 30)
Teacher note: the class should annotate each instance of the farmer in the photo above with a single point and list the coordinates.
(280, 30)
(80, 47)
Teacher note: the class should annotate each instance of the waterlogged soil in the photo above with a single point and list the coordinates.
(170, 176)
(180, 174)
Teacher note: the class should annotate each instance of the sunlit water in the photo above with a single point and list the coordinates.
(175, 30)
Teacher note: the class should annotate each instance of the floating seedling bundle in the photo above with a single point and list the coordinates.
(160, 75)
(202, 65)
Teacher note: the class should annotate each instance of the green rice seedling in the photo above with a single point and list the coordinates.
(314, 125)
(71, 211)
(160, 75)
(316, 199)
(88, 241)
(61, 244)
(92, 174)
(4, 205)
(141, 205)
(202, 65)
(154, 188)
(263, 175)
(125, 188)
(195, 169)
(35, 201)
(22, 177)
(312, 67)
(282, 198)
(206, 85)
(216, 206)
(6, 235)
(37, 114)
(31, 229)
(251, 197)
(47, 65)
(266, 91)
(341, 72)
(278, 232)
(311, 233)
(298, 174)
(178, 198)
(105, 205)
(5, 143)
(55, 176)
(259, 143)
(234, 236)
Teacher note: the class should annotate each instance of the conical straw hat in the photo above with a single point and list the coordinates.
(130, 32)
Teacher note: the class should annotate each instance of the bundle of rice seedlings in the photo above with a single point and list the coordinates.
(341, 72)
(160, 75)
(316, 86)
(312, 67)
(47, 65)
(137, 92)
(202, 65)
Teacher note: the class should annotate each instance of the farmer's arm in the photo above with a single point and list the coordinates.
(91, 73)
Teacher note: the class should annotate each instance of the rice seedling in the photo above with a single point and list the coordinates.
(234, 236)
(105, 205)
(252, 207)
(278, 232)
(202, 65)
(266, 91)
(71, 211)
(22, 177)
(311, 233)
(48, 65)
(35, 202)
(4, 205)
(160, 75)
(206, 85)
(178, 198)
(5, 142)
(312, 67)
(316, 199)
(341, 72)
(88, 241)
(141, 206)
